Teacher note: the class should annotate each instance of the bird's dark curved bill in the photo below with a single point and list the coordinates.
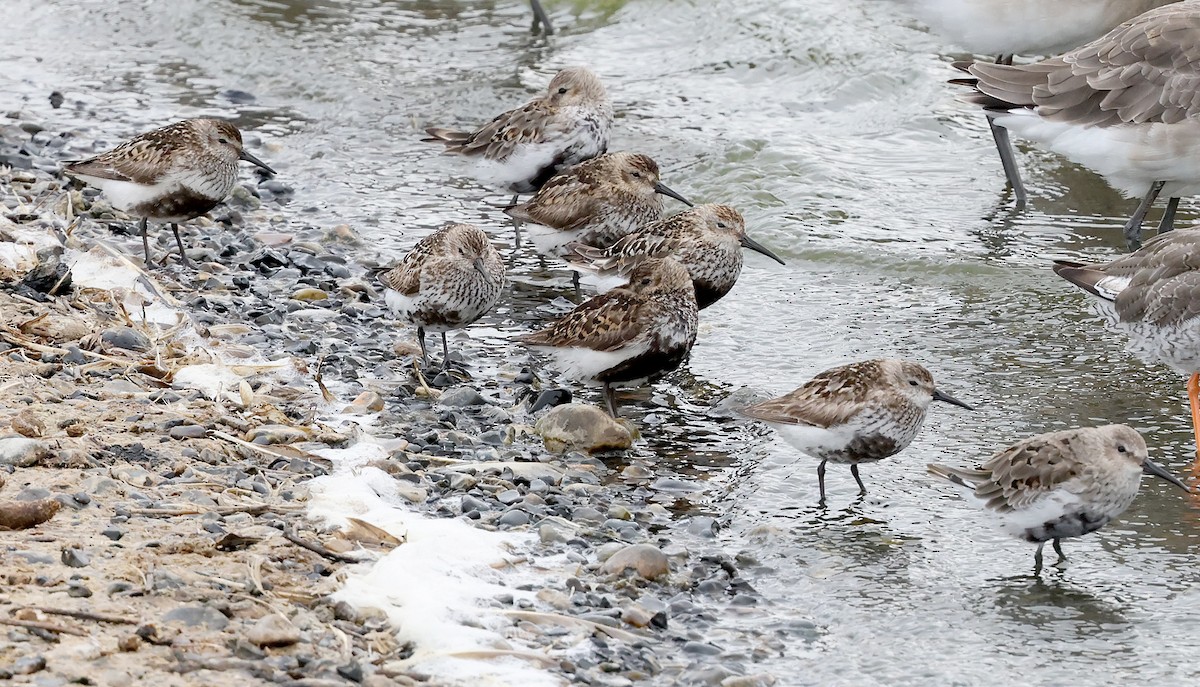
(478, 264)
(759, 248)
(1151, 468)
(947, 398)
(664, 190)
(254, 161)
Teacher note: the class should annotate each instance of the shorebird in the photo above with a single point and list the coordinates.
(628, 336)
(707, 239)
(595, 202)
(1024, 27)
(1062, 484)
(172, 174)
(524, 148)
(1151, 295)
(857, 413)
(450, 279)
(1124, 105)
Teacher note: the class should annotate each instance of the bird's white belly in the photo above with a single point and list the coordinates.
(1131, 157)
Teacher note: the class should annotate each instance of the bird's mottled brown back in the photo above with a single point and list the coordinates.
(830, 398)
(1022, 473)
(405, 278)
(143, 159)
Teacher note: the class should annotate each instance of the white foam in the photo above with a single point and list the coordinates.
(104, 268)
(435, 585)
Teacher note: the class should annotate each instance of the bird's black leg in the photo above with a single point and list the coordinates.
(1133, 228)
(1167, 223)
(183, 258)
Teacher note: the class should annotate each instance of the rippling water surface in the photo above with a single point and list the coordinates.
(831, 127)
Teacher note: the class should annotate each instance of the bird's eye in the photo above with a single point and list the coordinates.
(562, 91)
(636, 175)
(222, 141)
(912, 382)
(1121, 448)
(645, 281)
(722, 225)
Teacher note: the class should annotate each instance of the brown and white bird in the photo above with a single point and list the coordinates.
(1024, 27)
(1153, 296)
(628, 336)
(522, 149)
(1126, 105)
(450, 279)
(707, 239)
(1061, 484)
(595, 202)
(857, 413)
(172, 174)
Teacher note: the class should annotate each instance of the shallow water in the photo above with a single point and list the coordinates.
(830, 126)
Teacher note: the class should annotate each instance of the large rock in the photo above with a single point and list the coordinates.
(21, 452)
(645, 560)
(273, 630)
(579, 427)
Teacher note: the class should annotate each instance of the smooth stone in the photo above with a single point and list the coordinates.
(273, 630)
(197, 615)
(188, 432)
(20, 452)
(275, 434)
(644, 559)
(514, 518)
(757, 680)
(550, 398)
(585, 428)
(364, 404)
(508, 497)
(75, 558)
(127, 338)
(309, 294)
(461, 396)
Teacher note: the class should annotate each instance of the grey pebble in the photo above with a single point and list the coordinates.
(188, 432)
(514, 518)
(75, 558)
(197, 615)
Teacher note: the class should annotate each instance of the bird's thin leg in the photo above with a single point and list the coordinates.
(1009, 162)
(1167, 223)
(183, 258)
(1008, 159)
(540, 17)
(445, 353)
(610, 399)
(1133, 228)
(1058, 549)
(1037, 559)
(145, 241)
(516, 223)
(854, 471)
(421, 340)
(575, 283)
(821, 481)
(1193, 388)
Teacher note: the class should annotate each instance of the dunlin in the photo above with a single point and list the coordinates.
(595, 202)
(707, 239)
(523, 148)
(172, 174)
(1124, 105)
(450, 279)
(1031, 27)
(1150, 295)
(629, 335)
(1061, 484)
(856, 413)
